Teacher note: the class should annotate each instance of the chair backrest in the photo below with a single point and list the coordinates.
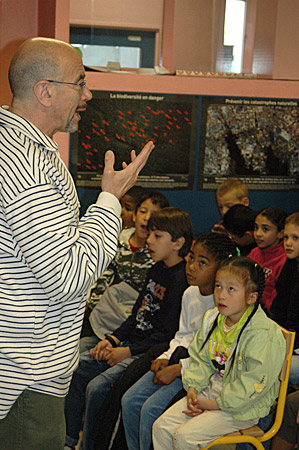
(255, 435)
(284, 380)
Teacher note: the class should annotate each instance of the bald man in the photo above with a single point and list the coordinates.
(48, 256)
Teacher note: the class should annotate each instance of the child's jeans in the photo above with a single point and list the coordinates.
(91, 382)
(142, 404)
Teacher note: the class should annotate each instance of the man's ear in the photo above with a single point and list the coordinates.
(252, 298)
(42, 90)
(179, 243)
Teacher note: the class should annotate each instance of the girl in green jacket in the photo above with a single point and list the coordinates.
(235, 360)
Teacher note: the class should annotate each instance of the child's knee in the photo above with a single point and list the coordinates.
(125, 401)
(93, 389)
(158, 426)
(179, 439)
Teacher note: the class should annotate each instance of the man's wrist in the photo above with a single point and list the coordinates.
(109, 200)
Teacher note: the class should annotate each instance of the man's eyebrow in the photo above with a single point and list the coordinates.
(80, 77)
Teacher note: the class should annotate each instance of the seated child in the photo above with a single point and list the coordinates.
(155, 319)
(239, 224)
(235, 359)
(285, 307)
(128, 202)
(269, 253)
(229, 193)
(131, 261)
(126, 273)
(146, 400)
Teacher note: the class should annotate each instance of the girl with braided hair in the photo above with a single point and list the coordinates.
(143, 403)
(235, 360)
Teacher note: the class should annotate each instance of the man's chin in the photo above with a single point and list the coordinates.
(71, 127)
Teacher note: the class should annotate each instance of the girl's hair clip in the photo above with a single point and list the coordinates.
(238, 251)
(255, 265)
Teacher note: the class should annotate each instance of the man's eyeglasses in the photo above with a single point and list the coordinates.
(82, 84)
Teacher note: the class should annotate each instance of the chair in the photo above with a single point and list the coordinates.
(254, 435)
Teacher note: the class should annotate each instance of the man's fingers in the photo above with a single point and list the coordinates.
(109, 160)
(140, 160)
(133, 155)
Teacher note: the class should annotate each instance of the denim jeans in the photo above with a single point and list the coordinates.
(90, 384)
(142, 404)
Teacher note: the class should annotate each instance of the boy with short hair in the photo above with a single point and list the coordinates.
(229, 193)
(131, 261)
(155, 319)
(239, 224)
(119, 286)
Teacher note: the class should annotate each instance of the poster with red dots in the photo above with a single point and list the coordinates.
(254, 139)
(125, 121)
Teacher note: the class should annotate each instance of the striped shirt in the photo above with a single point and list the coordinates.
(48, 259)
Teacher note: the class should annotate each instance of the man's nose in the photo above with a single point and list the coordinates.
(86, 94)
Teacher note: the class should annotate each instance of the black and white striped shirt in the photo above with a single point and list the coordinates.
(48, 260)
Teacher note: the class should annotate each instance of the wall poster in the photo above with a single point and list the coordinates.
(122, 121)
(254, 139)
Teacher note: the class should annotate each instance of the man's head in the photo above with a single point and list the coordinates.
(231, 192)
(47, 81)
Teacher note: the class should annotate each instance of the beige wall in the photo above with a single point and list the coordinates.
(19, 21)
(198, 34)
(286, 53)
(264, 42)
(192, 41)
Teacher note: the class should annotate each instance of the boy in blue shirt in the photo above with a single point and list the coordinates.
(155, 319)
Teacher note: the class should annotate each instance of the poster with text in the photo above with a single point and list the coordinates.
(121, 122)
(256, 140)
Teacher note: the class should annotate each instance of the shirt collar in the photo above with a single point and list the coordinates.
(12, 120)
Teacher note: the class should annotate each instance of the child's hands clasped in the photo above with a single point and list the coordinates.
(197, 406)
(159, 364)
(116, 355)
(168, 374)
(101, 350)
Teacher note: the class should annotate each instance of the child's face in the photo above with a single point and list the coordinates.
(128, 206)
(265, 233)
(161, 247)
(201, 269)
(226, 201)
(291, 240)
(230, 296)
(142, 217)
